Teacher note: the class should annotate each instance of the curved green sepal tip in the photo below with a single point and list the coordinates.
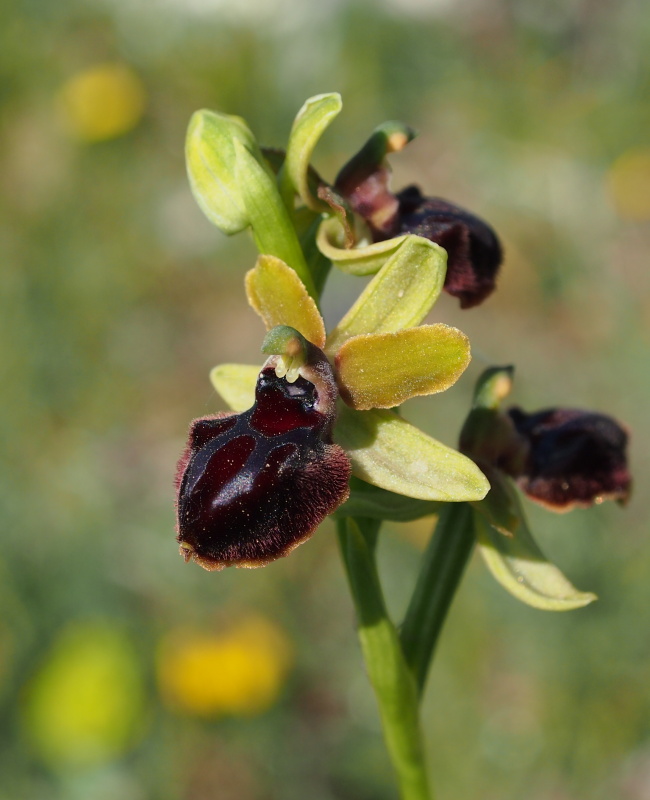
(388, 452)
(517, 563)
(493, 386)
(236, 384)
(364, 260)
(311, 121)
(210, 154)
(399, 296)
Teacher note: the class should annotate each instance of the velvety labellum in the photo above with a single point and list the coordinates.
(473, 250)
(253, 486)
(574, 458)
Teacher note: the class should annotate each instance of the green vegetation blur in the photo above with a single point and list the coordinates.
(125, 673)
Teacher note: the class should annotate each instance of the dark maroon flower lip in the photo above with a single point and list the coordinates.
(573, 458)
(253, 486)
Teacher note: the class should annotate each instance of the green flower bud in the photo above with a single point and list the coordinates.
(211, 166)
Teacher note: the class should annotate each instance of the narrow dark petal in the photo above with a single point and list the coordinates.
(369, 196)
(364, 180)
(473, 250)
(575, 458)
(253, 486)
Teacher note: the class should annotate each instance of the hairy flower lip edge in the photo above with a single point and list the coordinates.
(611, 479)
(319, 478)
(560, 458)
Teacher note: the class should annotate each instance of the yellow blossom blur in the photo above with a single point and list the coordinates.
(84, 706)
(628, 181)
(240, 671)
(102, 102)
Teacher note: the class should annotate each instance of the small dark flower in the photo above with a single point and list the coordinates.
(562, 458)
(473, 249)
(574, 458)
(253, 486)
(474, 252)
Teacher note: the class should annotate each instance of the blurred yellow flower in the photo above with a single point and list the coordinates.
(84, 706)
(240, 671)
(628, 181)
(102, 102)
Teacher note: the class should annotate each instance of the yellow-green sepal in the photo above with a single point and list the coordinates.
(310, 123)
(399, 296)
(382, 370)
(388, 452)
(210, 155)
(514, 558)
(364, 260)
(235, 383)
(278, 295)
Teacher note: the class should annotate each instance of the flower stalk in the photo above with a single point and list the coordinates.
(389, 674)
(441, 571)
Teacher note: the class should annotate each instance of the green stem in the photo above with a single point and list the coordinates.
(269, 218)
(389, 674)
(444, 562)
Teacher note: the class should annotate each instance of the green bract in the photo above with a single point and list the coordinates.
(516, 561)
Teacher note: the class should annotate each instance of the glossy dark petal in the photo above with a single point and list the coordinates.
(474, 252)
(253, 486)
(575, 458)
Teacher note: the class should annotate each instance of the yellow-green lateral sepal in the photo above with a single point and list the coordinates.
(519, 565)
(312, 119)
(388, 452)
(236, 384)
(278, 295)
(364, 260)
(382, 370)
(210, 155)
(399, 296)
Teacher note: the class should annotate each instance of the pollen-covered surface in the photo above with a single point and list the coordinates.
(576, 458)
(253, 486)
(473, 250)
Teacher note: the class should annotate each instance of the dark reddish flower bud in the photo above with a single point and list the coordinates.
(574, 458)
(474, 253)
(473, 250)
(253, 486)
(363, 181)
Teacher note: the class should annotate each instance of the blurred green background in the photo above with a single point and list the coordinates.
(118, 297)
